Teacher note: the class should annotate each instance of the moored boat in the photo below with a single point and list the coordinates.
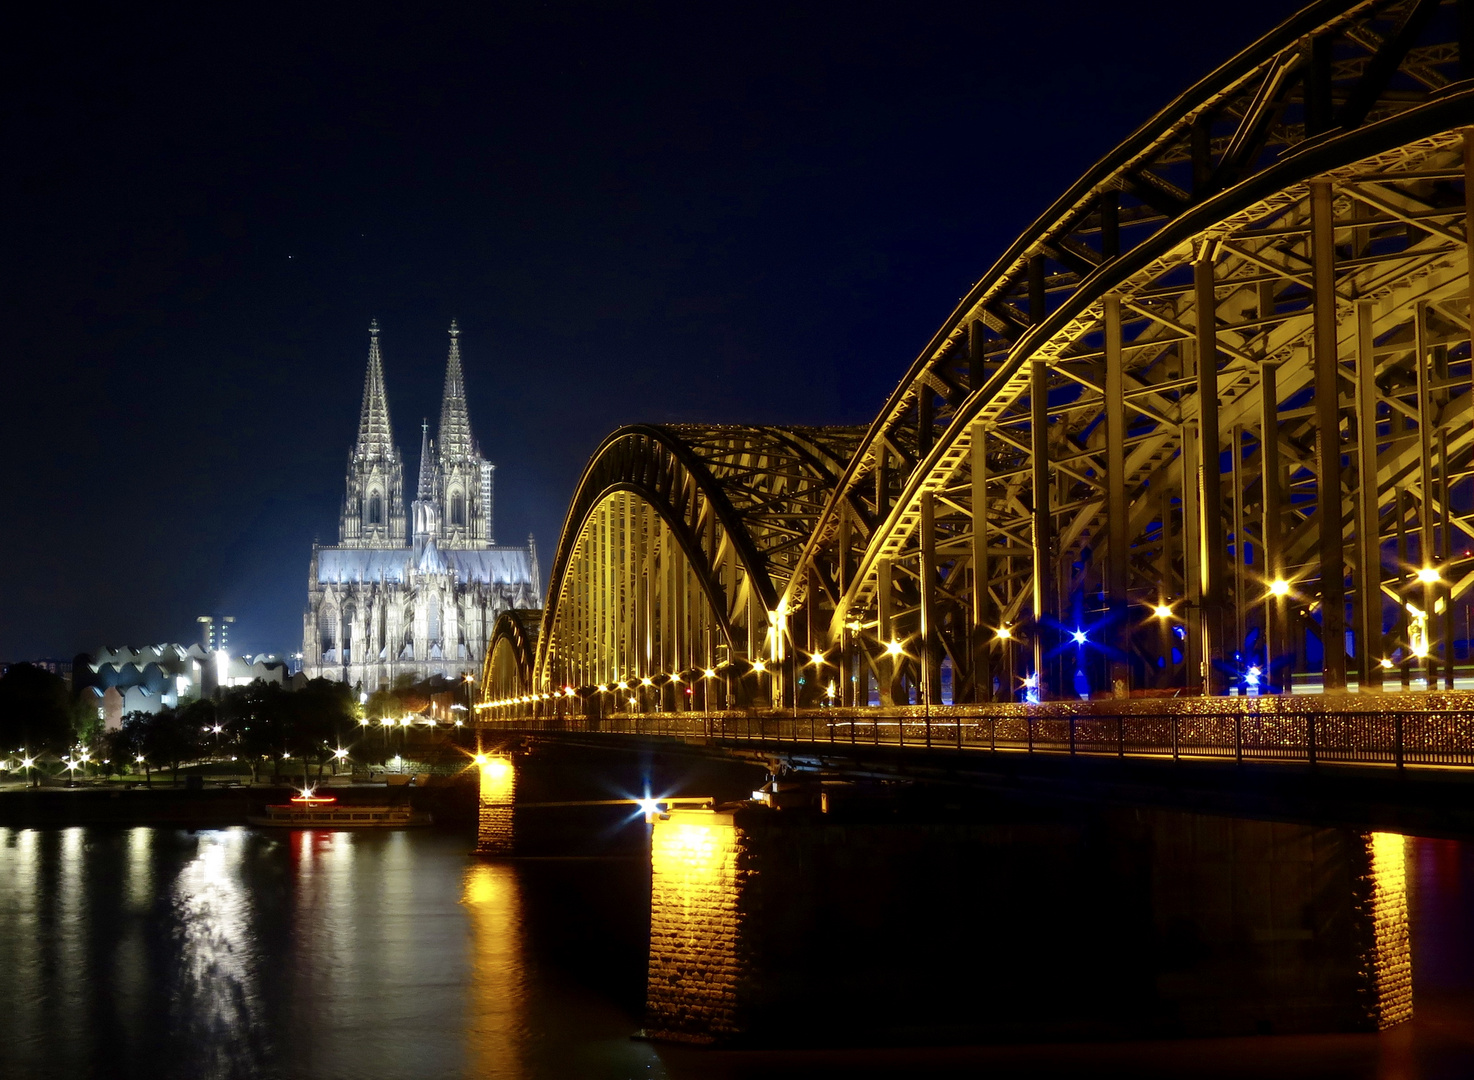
(310, 811)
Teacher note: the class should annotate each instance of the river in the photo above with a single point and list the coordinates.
(225, 953)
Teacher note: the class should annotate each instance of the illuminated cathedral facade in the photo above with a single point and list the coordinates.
(413, 588)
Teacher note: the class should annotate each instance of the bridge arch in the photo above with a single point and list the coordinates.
(676, 550)
(1058, 463)
(506, 674)
(1206, 422)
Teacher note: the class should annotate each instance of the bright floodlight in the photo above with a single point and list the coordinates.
(1004, 633)
(1079, 636)
(1428, 575)
(1162, 611)
(895, 648)
(649, 806)
(759, 665)
(709, 673)
(1279, 587)
(1387, 662)
(818, 659)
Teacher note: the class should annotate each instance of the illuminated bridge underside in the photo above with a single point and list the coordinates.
(1212, 412)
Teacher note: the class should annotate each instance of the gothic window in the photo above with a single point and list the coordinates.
(347, 636)
(458, 509)
(434, 622)
(328, 630)
(375, 509)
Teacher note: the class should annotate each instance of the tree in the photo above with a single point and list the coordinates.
(132, 742)
(35, 710)
(258, 717)
(172, 738)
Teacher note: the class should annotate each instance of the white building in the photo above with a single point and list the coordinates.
(414, 593)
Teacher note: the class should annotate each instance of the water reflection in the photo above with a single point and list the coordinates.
(496, 1000)
(233, 953)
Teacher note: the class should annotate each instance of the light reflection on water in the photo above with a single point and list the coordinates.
(231, 953)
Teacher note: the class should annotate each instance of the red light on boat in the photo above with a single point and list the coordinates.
(314, 800)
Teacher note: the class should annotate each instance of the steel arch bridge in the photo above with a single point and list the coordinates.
(1206, 423)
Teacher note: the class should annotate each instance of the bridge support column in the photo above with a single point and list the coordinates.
(496, 804)
(775, 925)
(1369, 561)
(1328, 438)
(1118, 536)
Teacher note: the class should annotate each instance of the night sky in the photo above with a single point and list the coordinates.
(692, 212)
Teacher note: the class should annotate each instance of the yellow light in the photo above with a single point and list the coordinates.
(759, 665)
(818, 659)
(829, 690)
(709, 673)
(603, 689)
(568, 690)
(675, 676)
(633, 701)
(480, 759)
(895, 648)
(1428, 575)
(646, 681)
(1387, 662)
(1279, 587)
(1004, 633)
(1162, 611)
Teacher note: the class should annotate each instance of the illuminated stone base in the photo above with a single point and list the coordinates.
(495, 835)
(1071, 923)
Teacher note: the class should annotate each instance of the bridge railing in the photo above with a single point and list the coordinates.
(1388, 736)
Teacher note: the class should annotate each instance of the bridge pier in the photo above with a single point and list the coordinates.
(496, 800)
(775, 927)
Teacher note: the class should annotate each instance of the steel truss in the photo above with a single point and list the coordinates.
(674, 557)
(1211, 413)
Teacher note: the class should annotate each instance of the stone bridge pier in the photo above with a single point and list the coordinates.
(780, 926)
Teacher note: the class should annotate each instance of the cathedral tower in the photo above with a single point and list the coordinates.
(373, 505)
(464, 478)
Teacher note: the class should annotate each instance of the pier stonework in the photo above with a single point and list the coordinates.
(775, 926)
(695, 893)
(496, 804)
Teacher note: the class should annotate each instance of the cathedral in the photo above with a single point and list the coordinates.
(413, 591)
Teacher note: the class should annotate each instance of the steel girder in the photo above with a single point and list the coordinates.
(1058, 458)
(511, 655)
(679, 543)
(1225, 377)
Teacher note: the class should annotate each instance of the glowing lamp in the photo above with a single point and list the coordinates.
(894, 648)
(1004, 633)
(1079, 637)
(1428, 575)
(759, 665)
(1279, 587)
(709, 673)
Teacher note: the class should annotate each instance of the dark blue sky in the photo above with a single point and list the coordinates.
(754, 212)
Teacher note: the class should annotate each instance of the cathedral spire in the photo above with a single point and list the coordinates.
(455, 442)
(375, 436)
(426, 490)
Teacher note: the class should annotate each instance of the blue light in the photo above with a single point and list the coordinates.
(1079, 636)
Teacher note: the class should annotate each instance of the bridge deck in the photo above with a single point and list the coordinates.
(1389, 730)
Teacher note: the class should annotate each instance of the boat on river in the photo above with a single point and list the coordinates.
(312, 811)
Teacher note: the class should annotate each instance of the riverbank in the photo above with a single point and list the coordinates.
(451, 805)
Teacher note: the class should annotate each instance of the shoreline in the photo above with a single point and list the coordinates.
(451, 805)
